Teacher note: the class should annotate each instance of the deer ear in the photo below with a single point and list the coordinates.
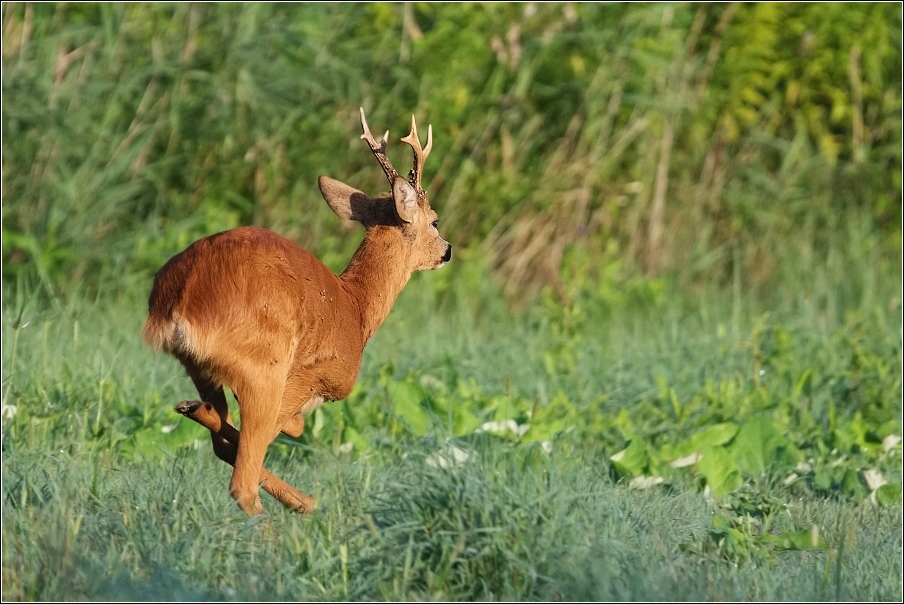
(351, 204)
(339, 196)
(405, 198)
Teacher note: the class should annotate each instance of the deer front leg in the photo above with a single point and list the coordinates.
(299, 397)
(293, 426)
(258, 391)
(207, 416)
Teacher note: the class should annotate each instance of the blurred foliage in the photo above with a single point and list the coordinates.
(712, 142)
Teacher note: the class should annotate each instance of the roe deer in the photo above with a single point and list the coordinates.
(251, 310)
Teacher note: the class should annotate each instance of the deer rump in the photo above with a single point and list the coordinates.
(268, 281)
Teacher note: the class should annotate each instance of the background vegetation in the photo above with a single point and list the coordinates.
(665, 361)
(705, 141)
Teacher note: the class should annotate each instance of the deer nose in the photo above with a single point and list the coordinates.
(448, 255)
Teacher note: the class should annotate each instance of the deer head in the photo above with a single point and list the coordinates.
(404, 208)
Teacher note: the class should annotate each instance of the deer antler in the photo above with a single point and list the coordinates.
(379, 149)
(420, 155)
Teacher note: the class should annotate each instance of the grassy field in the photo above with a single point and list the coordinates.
(665, 362)
(108, 494)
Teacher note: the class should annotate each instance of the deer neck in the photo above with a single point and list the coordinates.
(376, 274)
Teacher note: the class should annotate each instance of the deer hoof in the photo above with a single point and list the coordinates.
(187, 408)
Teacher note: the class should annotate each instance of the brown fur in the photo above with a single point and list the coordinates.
(251, 310)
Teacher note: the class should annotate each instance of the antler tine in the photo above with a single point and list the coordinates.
(379, 149)
(420, 155)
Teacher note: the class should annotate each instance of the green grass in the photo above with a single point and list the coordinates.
(677, 234)
(85, 526)
(99, 503)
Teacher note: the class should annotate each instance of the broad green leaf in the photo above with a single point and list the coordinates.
(796, 540)
(540, 432)
(319, 421)
(760, 447)
(888, 495)
(633, 460)
(459, 413)
(350, 435)
(712, 436)
(857, 435)
(507, 407)
(406, 399)
(463, 421)
(719, 470)
(715, 435)
(549, 420)
(851, 485)
(156, 440)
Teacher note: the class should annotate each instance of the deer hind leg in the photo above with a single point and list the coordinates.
(212, 412)
(204, 414)
(212, 394)
(258, 406)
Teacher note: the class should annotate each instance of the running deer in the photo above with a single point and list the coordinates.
(251, 310)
